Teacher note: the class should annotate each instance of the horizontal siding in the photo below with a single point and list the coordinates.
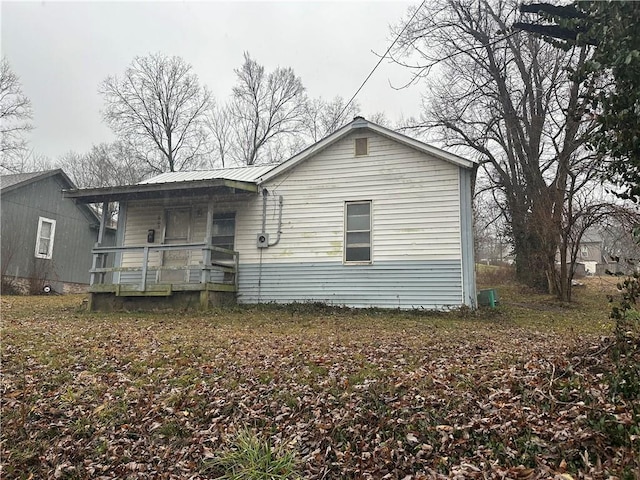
(406, 285)
(415, 237)
(135, 277)
(142, 216)
(416, 206)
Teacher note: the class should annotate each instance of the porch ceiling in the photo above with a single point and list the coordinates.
(151, 191)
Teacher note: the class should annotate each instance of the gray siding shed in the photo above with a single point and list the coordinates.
(24, 199)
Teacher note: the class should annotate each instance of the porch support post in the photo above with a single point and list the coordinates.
(103, 222)
(236, 275)
(204, 299)
(206, 252)
(103, 225)
(145, 264)
(94, 264)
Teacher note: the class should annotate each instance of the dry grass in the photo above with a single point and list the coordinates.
(513, 392)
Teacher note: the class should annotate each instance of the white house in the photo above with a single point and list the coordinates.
(366, 217)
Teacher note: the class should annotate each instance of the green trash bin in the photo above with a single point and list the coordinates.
(488, 298)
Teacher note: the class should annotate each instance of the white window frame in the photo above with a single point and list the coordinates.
(347, 231)
(39, 238)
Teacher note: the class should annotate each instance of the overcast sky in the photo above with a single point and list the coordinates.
(62, 51)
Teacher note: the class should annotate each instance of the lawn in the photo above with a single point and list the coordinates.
(527, 390)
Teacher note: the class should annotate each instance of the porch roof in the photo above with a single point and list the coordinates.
(221, 181)
(171, 189)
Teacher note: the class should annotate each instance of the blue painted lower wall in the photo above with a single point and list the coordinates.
(406, 285)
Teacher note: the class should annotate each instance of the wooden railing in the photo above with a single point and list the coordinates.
(99, 269)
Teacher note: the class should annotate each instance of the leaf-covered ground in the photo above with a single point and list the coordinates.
(523, 391)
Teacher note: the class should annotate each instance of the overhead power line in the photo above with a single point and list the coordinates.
(379, 62)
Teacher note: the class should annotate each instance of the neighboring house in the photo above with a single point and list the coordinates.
(46, 240)
(590, 258)
(594, 256)
(366, 217)
(590, 252)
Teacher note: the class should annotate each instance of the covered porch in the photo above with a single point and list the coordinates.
(179, 265)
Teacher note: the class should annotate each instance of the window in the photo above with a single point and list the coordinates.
(362, 147)
(584, 251)
(44, 237)
(224, 230)
(357, 232)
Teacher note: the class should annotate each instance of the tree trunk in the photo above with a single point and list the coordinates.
(530, 266)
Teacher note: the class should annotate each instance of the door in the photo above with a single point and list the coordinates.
(176, 230)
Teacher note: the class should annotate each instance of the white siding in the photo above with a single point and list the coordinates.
(144, 215)
(416, 206)
(416, 229)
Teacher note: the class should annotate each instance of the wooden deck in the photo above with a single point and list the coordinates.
(105, 294)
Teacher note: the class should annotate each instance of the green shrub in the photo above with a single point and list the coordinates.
(625, 351)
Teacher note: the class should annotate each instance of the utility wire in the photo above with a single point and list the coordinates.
(366, 79)
(377, 64)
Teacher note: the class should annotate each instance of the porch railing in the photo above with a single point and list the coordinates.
(99, 268)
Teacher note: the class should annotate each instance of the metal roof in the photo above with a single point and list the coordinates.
(240, 174)
(173, 189)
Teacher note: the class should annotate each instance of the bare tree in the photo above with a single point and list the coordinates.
(321, 117)
(220, 124)
(106, 164)
(586, 211)
(381, 119)
(490, 243)
(269, 118)
(620, 245)
(158, 105)
(265, 107)
(509, 99)
(28, 160)
(15, 113)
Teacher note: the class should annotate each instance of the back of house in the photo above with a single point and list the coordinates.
(366, 217)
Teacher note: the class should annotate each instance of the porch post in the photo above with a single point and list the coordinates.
(206, 252)
(103, 222)
(145, 264)
(94, 264)
(103, 226)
